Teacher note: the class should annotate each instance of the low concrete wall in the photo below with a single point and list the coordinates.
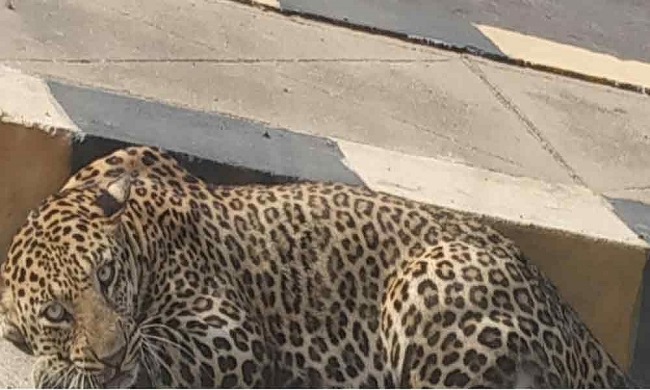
(600, 279)
(33, 165)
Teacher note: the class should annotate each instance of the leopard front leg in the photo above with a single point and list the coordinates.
(203, 341)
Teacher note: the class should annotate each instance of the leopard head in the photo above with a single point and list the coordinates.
(69, 288)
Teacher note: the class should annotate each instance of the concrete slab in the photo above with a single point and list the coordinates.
(595, 40)
(639, 194)
(227, 57)
(421, 18)
(164, 30)
(558, 56)
(25, 100)
(214, 137)
(15, 372)
(635, 214)
(604, 26)
(601, 132)
(567, 208)
(428, 109)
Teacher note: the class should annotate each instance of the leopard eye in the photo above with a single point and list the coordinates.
(55, 312)
(105, 274)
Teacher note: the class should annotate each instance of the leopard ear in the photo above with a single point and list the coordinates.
(113, 199)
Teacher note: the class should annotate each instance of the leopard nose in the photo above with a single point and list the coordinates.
(115, 359)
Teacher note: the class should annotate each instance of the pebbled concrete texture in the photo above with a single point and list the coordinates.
(601, 133)
(415, 108)
(234, 59)
(218, 138)
(121, 30)
(605, 26)
(635, 214)
(420, 18)
(42, 111)
(16, 367)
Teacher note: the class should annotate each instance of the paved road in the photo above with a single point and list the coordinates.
(616, 27)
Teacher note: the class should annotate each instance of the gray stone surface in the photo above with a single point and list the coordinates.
(422, 18)
(635, 214)
(602, 133)
(16, 367)
(218, 30)
(226, 57)
(427, 109)
(213, 137)
(617, 27)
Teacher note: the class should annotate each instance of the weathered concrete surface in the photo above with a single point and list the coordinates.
(16, 367)
(606, 26)
(174, 30)
(641, 194)
(25, 100)
(336, 82)
(213, 137)
(568, 208)
(602, 133)
(597, 39)
(331, 81)
(413, 108)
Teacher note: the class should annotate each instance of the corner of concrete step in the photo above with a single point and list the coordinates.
(27, 101)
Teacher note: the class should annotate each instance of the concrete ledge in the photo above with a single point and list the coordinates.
(26, 100)
(35, 136)
(594, 258)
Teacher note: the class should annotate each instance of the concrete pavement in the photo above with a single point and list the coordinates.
(329, 81)
(601, 40)
(566, 147)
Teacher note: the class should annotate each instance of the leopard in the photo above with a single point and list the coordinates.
(138, 273)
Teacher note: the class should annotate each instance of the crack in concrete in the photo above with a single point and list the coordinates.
(416, 126)
(530, 127)
(636, 188)
(146, 22)
(458, 143)
(94, 61)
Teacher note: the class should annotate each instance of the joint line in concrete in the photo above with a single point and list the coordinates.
(530, 127)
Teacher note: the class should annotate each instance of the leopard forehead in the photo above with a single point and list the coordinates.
(56, 248)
